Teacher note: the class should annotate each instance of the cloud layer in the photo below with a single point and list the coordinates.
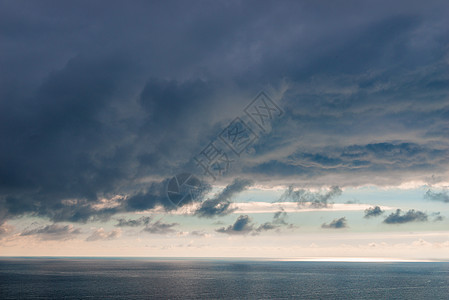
(113, 103)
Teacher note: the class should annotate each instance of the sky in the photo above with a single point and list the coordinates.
(263, 129)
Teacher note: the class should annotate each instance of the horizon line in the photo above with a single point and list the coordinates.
(285, 259)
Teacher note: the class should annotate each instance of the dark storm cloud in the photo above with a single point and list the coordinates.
(303, 197)
(155, 194)
(219, 205)
(358, 162)
(336, 224)
(53, 232)
(410, 216)
(373, 212)
(133, 222)
(435, 196)
(98, 99)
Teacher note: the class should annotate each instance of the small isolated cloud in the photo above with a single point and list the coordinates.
(373, 212)
(280, 217)
(411, 216)
(437, 217)
(266, 226)
(442, 196)
(53, 232)
(133, 222)
(243, 225)
(220, 204)
(279, 220)
(160, 228)
(102, 235)
(306, 198)
(336, 224)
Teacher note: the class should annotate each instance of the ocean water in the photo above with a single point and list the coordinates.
(45, 278)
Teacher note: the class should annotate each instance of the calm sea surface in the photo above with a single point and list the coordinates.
(196, 279)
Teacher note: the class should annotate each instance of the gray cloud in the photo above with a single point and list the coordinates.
(437, 217)
(53, 232)
(279, 220)
(243, 225)
(280, 217)
(303, 197)
(336, 224)
(358, 162)
(159, 227)
(219, 205)
(442, 196)
(133, 222)
(373, 212)
(101, 235)
(410, 216)
(198, 233)
(95, 104)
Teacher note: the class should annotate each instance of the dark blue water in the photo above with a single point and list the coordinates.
(183, 279)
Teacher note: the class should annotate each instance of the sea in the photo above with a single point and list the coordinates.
(139, 278)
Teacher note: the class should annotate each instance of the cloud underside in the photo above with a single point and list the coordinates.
(112, 108)
(220, 205)
(373, 211)
(53, 232)
(244, 225)
(442, 196)
(410, 216)
(336, 224)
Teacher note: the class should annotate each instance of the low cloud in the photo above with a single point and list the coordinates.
(102, 235)
(53, 232)
(133, 222)
(199, 233)
(220, 204)
(159, 227)
(336, 224)
(243, 225)
(373, 212)
(434, 196)
(411, 216)
(306, 198)
(279, 220)
(437, 217)
(280, 217)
